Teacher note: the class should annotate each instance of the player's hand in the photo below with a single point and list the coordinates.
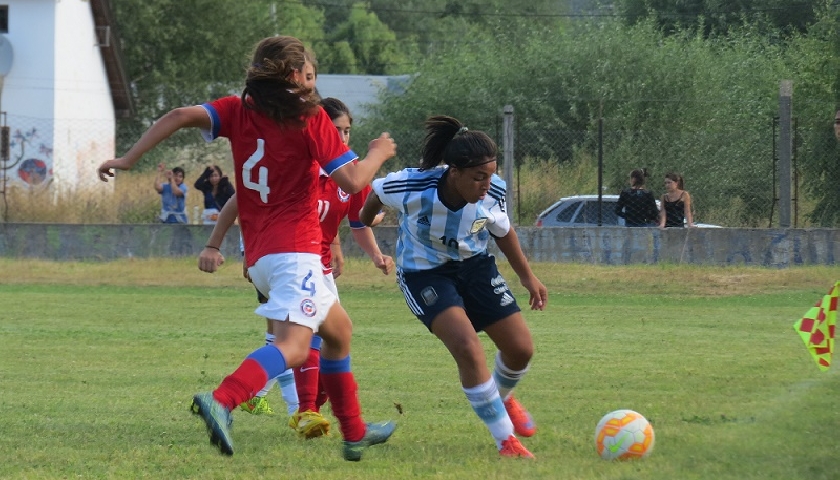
(210, 260)
(538, 292)
(378, 219)
(384, 145)
(337, 263)
(384, 263)
(245, 271)
(161, 167)
(105, 169)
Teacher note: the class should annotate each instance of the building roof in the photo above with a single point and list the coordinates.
(109, 44)
(359, 91)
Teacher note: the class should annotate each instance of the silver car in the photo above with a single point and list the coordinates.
(582, 211)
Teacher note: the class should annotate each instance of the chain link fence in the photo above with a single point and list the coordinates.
(731, 172)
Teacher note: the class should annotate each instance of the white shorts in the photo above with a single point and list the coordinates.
(295, 287)
(330, 281)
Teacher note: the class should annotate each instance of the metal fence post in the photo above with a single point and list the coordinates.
(785, 151)
(507, 145)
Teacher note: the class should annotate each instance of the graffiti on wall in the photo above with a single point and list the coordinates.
(30, 159)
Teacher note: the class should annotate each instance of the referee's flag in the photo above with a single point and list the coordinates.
(816, 328)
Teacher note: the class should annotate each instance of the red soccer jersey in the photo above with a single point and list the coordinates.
(277, 175)
(333, 205)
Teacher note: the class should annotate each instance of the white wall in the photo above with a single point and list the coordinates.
(84, 110)
(56, 96)
(28, 91)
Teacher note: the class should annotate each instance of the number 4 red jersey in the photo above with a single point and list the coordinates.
(277, 170)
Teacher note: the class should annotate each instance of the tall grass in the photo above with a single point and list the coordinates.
(130, 197)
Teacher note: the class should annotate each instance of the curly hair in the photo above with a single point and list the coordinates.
(268, 86)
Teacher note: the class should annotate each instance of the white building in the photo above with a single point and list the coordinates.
(359, 92)
(63, 91)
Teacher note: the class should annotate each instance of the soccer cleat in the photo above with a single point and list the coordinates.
(523, 424)
(257, 406)
(375, 433)
(309, 424)
(513, 449)
(217, 418)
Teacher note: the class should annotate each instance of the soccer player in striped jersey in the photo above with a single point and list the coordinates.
(447, 214)
(279, 136)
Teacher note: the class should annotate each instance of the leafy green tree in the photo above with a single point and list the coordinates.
(778, 16)
(180, 52)
(375, 47)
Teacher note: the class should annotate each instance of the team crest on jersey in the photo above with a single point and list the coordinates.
(307, 307)
(478, 225)
(343, 196)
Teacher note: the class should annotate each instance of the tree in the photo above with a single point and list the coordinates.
(184, 52)
(719, 16)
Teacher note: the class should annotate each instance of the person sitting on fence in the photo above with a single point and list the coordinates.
(635, 204)
(173, 194)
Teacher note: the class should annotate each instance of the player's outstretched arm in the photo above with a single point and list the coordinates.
(364, 237)
(355, 176)
(370, 209)
(168, 124)
(509, 245)
(211, 257)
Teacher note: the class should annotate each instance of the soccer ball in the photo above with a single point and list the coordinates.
(623, 435)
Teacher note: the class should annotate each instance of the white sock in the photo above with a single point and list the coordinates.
(487, 404)
(288, 389)
(506, 378)
(267, 388)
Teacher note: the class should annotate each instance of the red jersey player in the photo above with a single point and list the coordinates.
(334, 204)
(279, 137)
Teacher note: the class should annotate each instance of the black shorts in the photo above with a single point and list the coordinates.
(474, 284)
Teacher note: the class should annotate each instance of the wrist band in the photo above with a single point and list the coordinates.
(211, 246)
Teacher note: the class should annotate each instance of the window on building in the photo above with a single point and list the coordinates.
(4, 19)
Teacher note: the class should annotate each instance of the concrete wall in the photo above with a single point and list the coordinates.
(778, 248)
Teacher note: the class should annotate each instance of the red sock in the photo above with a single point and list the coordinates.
(241, 385)
(306, 379)
(342, 390)
(321, 399)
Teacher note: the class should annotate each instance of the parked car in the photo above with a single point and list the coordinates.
(582, 211)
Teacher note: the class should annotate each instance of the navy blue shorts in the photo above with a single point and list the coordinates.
(474, 284)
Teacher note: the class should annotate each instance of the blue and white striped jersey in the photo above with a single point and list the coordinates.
(429, 233)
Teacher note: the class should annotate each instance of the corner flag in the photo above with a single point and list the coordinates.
(816, 328)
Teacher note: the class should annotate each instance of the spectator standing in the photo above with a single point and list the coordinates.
(676, 203)
(217, 190)
(635, 204)
(173, 194)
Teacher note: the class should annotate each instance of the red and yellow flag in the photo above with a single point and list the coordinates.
(817, 328)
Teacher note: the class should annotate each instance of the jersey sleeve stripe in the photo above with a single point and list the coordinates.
(356, 225)
(339, 162)
(496, 192)
(400, 186)
(215, 123)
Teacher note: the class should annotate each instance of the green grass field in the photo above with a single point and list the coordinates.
(99, 362)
